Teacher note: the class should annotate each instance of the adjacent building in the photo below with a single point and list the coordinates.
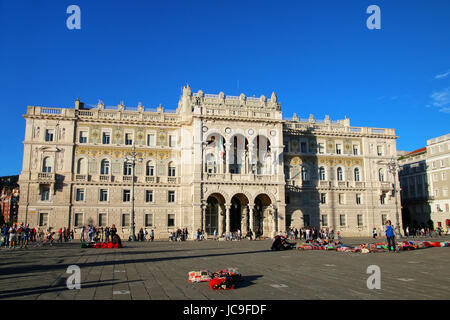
(9, 199)
(217, 162)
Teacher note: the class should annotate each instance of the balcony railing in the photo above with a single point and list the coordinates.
(46, 176)
(82, 177)
(105, 178)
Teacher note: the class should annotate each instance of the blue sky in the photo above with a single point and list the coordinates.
(318, 56)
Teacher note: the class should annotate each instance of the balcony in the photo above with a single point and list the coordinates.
(48, 177)
(82, 177)
(105, 178)
(151, 179)
(172, 179)
(129, 179)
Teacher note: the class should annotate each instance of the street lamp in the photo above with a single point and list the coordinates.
(393, 167)
(132, 160)
(204, 201)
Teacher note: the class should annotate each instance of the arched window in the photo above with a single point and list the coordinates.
(356, 174)
(211, 164)
(104, 167)
(339, 174)
(127, 168)
(171, 172)
(82, 166)
(321, 173)
(150, 169)
(47, 164)
(381, 175)
(305, 176)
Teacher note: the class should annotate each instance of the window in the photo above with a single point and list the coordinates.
(339, 174)
(148, 195)
(127, 168)
(323, 198)
(102, 219)
(338, 148)
(436, 192)
(441, 148)
(78, 219)
(45, 193)
(128, 139)
(150, 169)
(321, 173)
(126, 195)
(125, 219)
(324, 220)
(171, 196)
(321, 148)
(444, 176)
(82, 166)
(172, 141)
(442, 163)
(305, 176)
(103, 195)
(383, 219)
(149, 220)
(306, 220)
(381, 175)
(433, 164)
(303, 147)
(104, 168)
(342, 219)
(445, 192)
(43, 219)
(358, 198)
(151, 140)
(80, 195)
(355, 149)
(359, 219)
(49, 135)
(170, 220)
(83, 137)
(171, 169)
(47, 164)
(380, 150)
(341, 198)
(106, 138)
(356, 174)
(383, 198)
(435, 177)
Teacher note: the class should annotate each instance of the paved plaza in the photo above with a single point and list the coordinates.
(159, 270)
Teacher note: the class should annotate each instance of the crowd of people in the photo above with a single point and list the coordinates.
(312, 233)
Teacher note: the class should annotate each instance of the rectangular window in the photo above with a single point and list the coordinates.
(383, 198)
(355, 150)
(170, 220)
(358, 198)
(435, 177)
(342, 219)
(171, 171)
(80, 195)
(49, 135)
(445, 192)
(323, 198)
(380, 150)
(321, 148)
(103, 195)
(383, 219)
(341, 198)
(151, 140)
(148, 195)
(125, 219)
(338, 148)
(83, 137)
(149, 220)
(324, 220)
(436, 192)
(171, 196)
(444, 176)
(106, 138)
(306, 220)
(128, 139)
(360, 221)
(78, 219)
(303, 147)
(172, 141)
(126, 195)
(102, 219)
(43, 219)
(45, 193)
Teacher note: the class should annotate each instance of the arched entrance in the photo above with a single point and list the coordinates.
(214, 205)
(263, 220)
(238, 212)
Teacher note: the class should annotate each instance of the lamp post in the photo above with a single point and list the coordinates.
(132, 160)
(204, 201)
(392, 167)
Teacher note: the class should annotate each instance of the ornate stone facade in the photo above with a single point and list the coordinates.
(216, 163)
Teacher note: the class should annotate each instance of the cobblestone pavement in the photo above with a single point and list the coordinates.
(159, 270)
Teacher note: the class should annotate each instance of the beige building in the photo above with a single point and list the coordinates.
(438, 164)
(217, 162)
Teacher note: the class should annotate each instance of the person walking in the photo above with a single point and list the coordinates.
(152, 235)
(215, 234)
(12, 236)
(82, 234)
(407, 232)
(390, 236)
(374, 233)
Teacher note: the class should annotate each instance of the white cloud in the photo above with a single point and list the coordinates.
(441, 98)
(445, 110)
(442, 75)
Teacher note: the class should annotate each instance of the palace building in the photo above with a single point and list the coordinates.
(217, 162)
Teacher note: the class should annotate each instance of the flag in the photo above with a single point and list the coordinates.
(221, 152)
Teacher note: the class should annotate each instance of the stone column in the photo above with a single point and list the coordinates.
(227, 157)
(250, 212)
(273, 211)
(227, 218)
(204, 206)
(244, 213)
(220, 213)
